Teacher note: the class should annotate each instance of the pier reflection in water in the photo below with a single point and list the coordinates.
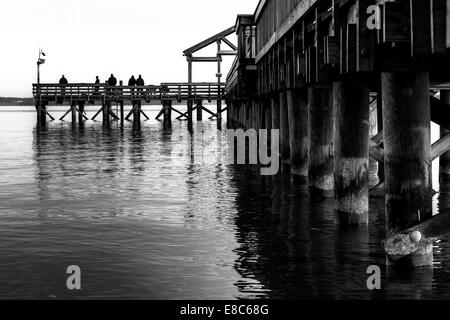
(158, 214)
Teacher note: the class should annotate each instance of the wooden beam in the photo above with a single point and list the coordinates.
(437, 149)
(289, 22)
(229, 43)
(440, 112)
(402, 244)
(209, 41)
(440, 147)
(227, 53)
(204, 59)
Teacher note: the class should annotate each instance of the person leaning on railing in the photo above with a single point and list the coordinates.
(112, 82)
(63, 82)
(140, 83)
(97, 85)
(132, 83)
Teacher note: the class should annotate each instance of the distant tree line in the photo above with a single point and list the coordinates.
(11, 101)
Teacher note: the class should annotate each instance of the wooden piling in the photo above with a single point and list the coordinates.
(246, 114)
(373, 131)
(190, 107)
(299, 137)
(268, 116)
(219, 110)
(137, 115)
(252, 114)
(321, 169)
(238, 108)
(351, 153)
(444, 161)
(229, 106)
(380, 128)
(275, 107)
(74, 112)
(81, 112)
(285, 147)
(199, 110)
(41, 116)
(167, 111)
(122, 114)
(406, 122)
(106, 114)
(234, 120)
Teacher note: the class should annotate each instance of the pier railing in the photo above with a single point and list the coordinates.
(99, 92)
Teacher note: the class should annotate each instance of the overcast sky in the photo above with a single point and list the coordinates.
(85, 38)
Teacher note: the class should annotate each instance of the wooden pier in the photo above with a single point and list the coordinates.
(76, 96)
(312, 68)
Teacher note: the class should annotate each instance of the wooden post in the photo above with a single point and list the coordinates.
(137, 115)
(219, 77)
(299, 136)
(190, 104)
(444, 161)
(237, 110)
(199, 110)
(251, 115)
(229, 106)
(219, 109)
(373, 131)
(121, 106)
(80, 112)
(321, 169)
(74, 112)
(351, 152)
(122, 114)
(407, 160)
(241, 114)
(105, 113)
(39, 113)
(275, 106)
(268, 117)
(262, 113)
(285, 147)
(167, 111)
(380, 128)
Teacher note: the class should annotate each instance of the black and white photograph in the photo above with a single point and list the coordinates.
(239, 152)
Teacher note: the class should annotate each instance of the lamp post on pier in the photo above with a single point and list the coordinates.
(40, 114)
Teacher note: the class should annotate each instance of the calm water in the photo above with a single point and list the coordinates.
(156, 215)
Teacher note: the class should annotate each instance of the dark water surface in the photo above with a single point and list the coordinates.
(157, 215)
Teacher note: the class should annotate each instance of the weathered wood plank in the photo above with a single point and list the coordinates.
(288, 23)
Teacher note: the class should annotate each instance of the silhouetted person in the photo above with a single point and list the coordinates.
(63, 81)
(132, 83)
(112, 81)
(97, 84)
(140, 82)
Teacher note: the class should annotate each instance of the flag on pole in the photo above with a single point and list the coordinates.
(41, 60)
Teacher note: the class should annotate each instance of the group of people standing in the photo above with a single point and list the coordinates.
(112, 81)
(136, 82)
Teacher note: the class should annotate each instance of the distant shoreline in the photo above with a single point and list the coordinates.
(14, 101)
(29, 102)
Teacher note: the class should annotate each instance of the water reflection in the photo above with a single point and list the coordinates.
(157, 213)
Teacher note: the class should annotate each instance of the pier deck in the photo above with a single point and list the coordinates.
(90, 93)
